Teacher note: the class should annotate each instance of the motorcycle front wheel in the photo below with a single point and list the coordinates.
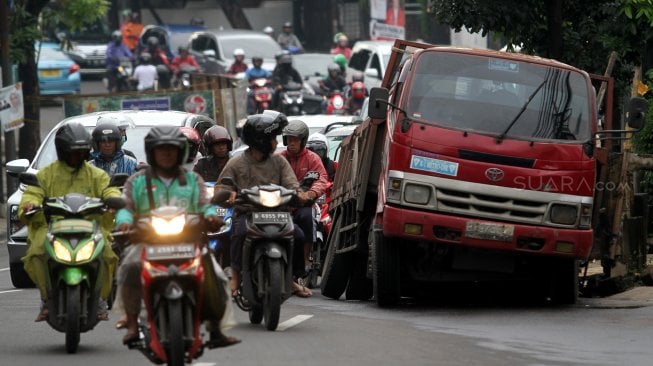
(272, 297)
(176, 334)
(73, 300)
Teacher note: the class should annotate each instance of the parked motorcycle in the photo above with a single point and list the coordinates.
(74, 245)
(267, 251)
(262, 92)
(173, 288)
(291, 99)
(336, 103)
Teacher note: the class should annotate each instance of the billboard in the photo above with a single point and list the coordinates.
(12, 112)
(388, 20)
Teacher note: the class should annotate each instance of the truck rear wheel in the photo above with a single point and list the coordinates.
(564, 281)
(337, 267)
(385, 270)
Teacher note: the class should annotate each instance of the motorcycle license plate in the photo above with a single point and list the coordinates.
(221, 211)
(164, 252)
(271, 218)
(489, 231)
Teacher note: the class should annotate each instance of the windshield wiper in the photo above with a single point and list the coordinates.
(521, 111)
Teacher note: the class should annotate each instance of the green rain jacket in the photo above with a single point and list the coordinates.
(56, 180)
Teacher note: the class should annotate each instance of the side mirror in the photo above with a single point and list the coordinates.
(29, 179)
(209, 53)
(115, 202)
(15, 167)
(378, 103)
(118, 180)
(636, 113)
(372, 72)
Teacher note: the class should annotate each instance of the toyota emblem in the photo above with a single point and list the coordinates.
(494, 174)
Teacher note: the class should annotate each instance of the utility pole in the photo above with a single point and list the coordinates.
(7, 79)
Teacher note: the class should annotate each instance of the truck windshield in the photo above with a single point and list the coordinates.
(500, 97)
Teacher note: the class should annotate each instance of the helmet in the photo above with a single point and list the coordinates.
(166, 135)
(194, 141)
(285, 59)
(317, 143)
(268, 30)
(257, 58)
(357, 76)
(72, 136)
(342, 38)
(296, 128)
(278, 55)
(333, 67)
(182, 49)
(152, 41)
(106, 131)
(341, 60)
(260, 129)
(287, 25)
(145, 57)
(358, 90)
(239, 52)
(215, 135)
(116, 35)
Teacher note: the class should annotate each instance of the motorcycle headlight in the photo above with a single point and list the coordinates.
(172, 226)
(287, 98)
(270, 199)
(61, 252)
(300, 99)
(338, 102)
(85, 252)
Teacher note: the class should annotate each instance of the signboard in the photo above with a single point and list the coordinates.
(388, 19)
(198, 102)
(12, 112)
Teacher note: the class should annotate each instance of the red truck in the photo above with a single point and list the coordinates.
(474, 165)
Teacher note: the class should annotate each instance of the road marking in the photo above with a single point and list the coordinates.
(4, 269)
(204, 364)
(292, 322)
(8, 291)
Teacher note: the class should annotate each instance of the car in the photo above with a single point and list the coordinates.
(170, 36)
(87, 46)
(371, 58)
(46, 154)
(214, 48)
(335, 138)
(57, 73)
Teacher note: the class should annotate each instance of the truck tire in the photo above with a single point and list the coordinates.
(19, 277)
(360, 286)
(564, 282)
(337, 267)
(385, 270)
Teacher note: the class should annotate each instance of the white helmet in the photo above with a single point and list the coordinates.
(239, 52)
(268, 30)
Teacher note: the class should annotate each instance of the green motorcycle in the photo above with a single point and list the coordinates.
(74, 244)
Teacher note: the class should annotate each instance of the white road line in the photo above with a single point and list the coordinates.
(292, 322)
(8, 291)
(4, 269)
(204, 364)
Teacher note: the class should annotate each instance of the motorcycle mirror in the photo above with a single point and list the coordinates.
(221, 195)
(118, 180)
(115, 202)
(29, 179)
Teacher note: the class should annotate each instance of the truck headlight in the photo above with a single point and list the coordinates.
(417, 193)
(563, 214)
(61, 252)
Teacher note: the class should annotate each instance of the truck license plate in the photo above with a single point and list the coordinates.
(489, 231)
(271, 218)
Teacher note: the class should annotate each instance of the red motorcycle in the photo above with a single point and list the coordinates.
(262, 92)
(172, 278)
(336, 103)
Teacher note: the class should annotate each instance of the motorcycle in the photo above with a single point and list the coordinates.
(322, 222)
(292, 100)
(74, 245)
(267, 251)
(219, 241)
(184, 76)
(122, 75)
(173, 290)
(262, 92)
(336, 103)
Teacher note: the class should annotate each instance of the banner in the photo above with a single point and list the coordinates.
(198, 102)
(388, 20)
(12, 112)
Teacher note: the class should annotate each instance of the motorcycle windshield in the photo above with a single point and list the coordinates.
(500, 97)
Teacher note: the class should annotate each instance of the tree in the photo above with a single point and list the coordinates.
(25, 19)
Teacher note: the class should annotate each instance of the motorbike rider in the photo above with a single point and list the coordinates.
(288, 40)
(269, 31)
(282, 75)
(70, 173)
(342, 46)
(218, 144)
(184, 59)
(253, 73)
(355, 102)
(319, 144)
(164, 182)
(145, 73)
(107, 148)
(256, 166)
(116, 51)
(302, 161)
(342, 63)
(239, 64)
(160, 61)
(194, 141)
(331, 83)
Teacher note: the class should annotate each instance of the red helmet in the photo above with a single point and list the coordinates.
(217, 134)
(193, 138)
(358, 90)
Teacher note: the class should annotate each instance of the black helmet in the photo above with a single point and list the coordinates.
(152, 41)
(260, 129)
(296, 128)
(333, 67)
(72, 136)
(182, 49)
(285, 59)
(257, 58)
(106, 131)
(318, 144)
(166, 135)
(215, 135)
(278, 55)
(145, 57)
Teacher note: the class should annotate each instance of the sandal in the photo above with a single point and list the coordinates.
(43, 314)
(219, 340)
(301, 291)
(121, 323)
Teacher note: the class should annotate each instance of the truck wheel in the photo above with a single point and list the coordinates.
(19, 277)
(564, 282)
(360, 286)
(337, 267)
(385, 270)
